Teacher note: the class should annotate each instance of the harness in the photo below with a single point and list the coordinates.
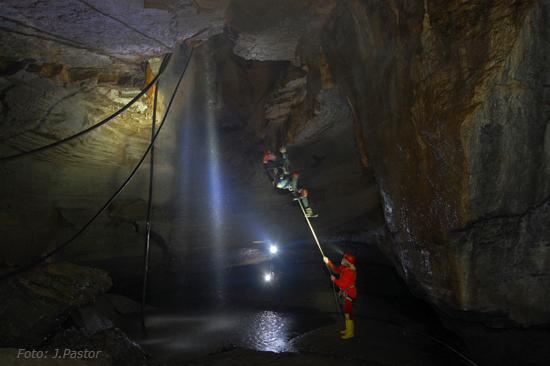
(344, 293)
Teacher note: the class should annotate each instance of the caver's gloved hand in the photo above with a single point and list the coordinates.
(332, 278)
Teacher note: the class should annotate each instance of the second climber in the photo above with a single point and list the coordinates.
(288, 182)
(272, 165)
(303, 195)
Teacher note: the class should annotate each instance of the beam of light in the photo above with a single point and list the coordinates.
(215, 186)
(215, 181)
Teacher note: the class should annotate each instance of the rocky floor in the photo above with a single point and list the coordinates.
(62, 307)
(376, 343)
(277, 327)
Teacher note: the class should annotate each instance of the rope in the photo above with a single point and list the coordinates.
(449, 347)
(97, 125)
(408, 332)
(340, 310)
(111, 199)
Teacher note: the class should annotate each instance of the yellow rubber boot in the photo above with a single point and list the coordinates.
(350, 331)
(342, 332)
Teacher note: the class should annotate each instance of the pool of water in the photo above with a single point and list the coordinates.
(181, 334)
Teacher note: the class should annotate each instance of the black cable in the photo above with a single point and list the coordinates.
(97, 125)
(148, 218)
(112, 198)
(52, 37)
(123, 23)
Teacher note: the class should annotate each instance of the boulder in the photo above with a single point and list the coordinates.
(123, 304)
(112, 346)
(15, 357)
(35, 304)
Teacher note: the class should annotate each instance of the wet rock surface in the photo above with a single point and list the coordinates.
(248, 357)
(517, 242)
(439, 90)
(504, 346)
(35, 304)
(375, 343)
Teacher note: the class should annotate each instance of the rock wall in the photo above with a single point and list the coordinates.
(453, 108)
(95, 33)
(49, 195)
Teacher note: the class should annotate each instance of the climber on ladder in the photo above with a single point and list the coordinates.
(302, 196)
(346, 282)
(272, 165)
(284, 160)
(288, 182)
(278, 168)
(294, 182)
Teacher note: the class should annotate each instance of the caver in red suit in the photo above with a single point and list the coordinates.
(345, 281)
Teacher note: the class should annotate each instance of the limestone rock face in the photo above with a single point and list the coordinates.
(274, 31)
(37, 110)
(450, 98)
(95, 33)
(34, 304)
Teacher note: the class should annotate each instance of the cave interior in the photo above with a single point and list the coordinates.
(140, 226)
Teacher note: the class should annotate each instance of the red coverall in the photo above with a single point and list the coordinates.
(346, 283)
(269, 157)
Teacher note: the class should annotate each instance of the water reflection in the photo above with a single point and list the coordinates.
(269, 331)
(260, 330)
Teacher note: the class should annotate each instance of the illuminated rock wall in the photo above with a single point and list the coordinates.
(451, 100)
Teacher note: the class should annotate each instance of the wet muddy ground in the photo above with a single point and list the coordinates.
(293, 315)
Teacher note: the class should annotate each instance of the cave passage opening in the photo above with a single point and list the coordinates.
(213, 206)
(221, 285)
